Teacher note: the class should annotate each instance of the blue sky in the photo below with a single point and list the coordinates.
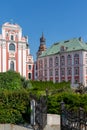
(57, 19)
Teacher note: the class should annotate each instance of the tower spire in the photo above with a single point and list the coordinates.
(42, 46)
(42, 39)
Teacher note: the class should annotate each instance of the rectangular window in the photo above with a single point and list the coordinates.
(29, 75)
(69, 72)
(76, 61)
(56, 72)
(56, 61)
(45, 72)
(76, 70)
(12, 38)
(62, 71)
(29, 67)
(69, 62)
(50, 62)
(45, 63)
(51, 72)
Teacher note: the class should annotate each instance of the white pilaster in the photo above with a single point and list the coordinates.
(59, 69)
(19, 61)
(72, 68)
(4, 56)
(24, 62)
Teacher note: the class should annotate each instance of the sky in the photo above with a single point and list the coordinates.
(58, 19)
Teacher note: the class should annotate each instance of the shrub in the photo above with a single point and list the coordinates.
(10, 80)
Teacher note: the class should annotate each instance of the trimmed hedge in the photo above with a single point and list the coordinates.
(13, 106)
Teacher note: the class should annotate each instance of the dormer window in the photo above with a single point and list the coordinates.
(62, 48)
(12, 37)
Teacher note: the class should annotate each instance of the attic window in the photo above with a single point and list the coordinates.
(63, 48)
(66, 41)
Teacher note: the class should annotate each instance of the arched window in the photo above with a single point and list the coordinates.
(12, 65)
(62, 60)
(69, 59)
(12, 47)
(76, 55)
(50, 62)
(76, 59)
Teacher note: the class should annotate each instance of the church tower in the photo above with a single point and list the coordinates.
(14, 51)
(42, 46)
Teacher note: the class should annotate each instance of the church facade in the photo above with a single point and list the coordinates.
(15, 52)
(64, 61)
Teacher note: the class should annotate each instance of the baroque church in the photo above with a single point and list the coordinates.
(15, 52)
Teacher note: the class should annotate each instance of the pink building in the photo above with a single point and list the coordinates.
(15, 52)
(64, 61)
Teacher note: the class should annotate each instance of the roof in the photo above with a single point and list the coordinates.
(8, 24)
(74, 44)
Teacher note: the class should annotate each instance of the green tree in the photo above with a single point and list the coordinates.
(10, 80)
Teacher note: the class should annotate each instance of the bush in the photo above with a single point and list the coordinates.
(13, 105)
(10, 80)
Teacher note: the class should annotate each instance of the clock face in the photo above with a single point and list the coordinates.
(42, 46)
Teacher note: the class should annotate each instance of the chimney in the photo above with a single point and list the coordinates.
(80, 39)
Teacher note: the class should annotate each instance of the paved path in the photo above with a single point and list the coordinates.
(53, 127)
(16, 127)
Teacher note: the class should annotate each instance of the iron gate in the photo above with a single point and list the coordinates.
(73, 120)
(39, 112)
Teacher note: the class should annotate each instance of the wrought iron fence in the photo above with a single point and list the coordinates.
(39, 110)
(73, 120)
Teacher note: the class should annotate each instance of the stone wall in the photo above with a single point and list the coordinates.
(12, 127)
(53, 122)
(53, 119)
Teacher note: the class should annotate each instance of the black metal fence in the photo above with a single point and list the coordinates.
(73, 120)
